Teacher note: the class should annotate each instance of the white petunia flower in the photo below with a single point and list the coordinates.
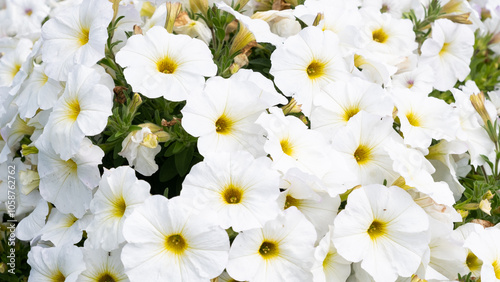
(223, 116)
(24, 203)
(240, 189)
(448, 52)
(38, 92)
(305, 63)
(361, 144)
(163, 64)
(471, 131)
(82, 110)
(446, 255)
(102, 266)
(329, 265)
(281, 251)
(63, 263)
(416, 171)
(27, 15)
(259, 28)
(418, 80)
(138, 155)
(11, 62)
(68, 183)
(76, 35)
(424, 118)
(29, 226)
(119, 193)
(382, 227)
(291, 144)
(486, 246)
(62, 229)
(461, 234)
(388, 38)
(167, 239)
(317, 206)
(339, 101)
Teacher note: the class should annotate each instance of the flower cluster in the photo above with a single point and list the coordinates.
(252, 140)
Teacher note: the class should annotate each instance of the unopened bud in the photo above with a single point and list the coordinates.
(116, 4)
(153, 127)
(28, 150)
(173, 10)
(478, 101)
(199, 6)
(488, 195)
(318, 18)
(292, 107)
(162, 136)
(485, 206)
(463, 213)
(147, 9)
(241, 39)
(135, 103)
(460, 19)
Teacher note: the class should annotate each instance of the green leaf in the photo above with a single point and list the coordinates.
(178, 146)
(183, 161)
(220, 34)
(167, 170)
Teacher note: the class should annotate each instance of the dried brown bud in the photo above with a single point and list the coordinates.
(120, 97)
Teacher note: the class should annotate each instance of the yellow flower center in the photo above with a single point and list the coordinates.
(83, 37)
(70, 220)
(496, 268)
(15, 70)
(291, 201)
(73, 109)
(329, 259)
(473, 262)
(315, 69)
(28, 12)
(287, 147)
(57, 277)
(379, 35)
(445, 49)
(413, 119)
(359, 61)
(363, 154)
(268, 250)
(119, 207)
(166, 65)
(350, 112)
(72, 166)
(376, 229)
(232, 194)
(223, 125)
(44, 79)
(176, 244)
(106, 277)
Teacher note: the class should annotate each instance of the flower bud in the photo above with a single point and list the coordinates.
(173, 10)
(28, 150)
(478, 101)
(292, 107)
